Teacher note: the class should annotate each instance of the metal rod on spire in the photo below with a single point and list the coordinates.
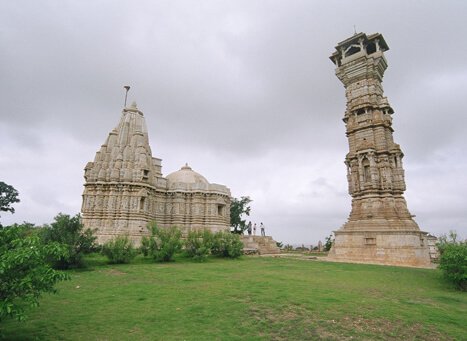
(127, 88)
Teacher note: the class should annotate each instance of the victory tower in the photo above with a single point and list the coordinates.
(380, 228)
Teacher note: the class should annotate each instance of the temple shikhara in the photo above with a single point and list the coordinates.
(124, 188)
(380, 227)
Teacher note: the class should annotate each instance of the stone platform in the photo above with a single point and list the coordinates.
(403, 248)
(259, 245)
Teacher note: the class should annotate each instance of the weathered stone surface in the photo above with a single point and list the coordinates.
(125, 189)
(380, 227)
(262, 245)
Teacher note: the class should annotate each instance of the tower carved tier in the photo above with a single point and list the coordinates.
(380, 227)
(124, 188)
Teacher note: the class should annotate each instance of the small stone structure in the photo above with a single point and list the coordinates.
(124, 188)
(380, 228)
(259, 244)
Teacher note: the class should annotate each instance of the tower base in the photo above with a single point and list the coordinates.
(402, 247)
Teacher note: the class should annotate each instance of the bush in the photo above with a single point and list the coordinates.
(24, 270)
(119, 250)
(163, 243)
(69, 231)
(329, 241)
(453, 260)
(198, 245)
(226, 244)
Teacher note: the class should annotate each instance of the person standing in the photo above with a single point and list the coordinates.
(254, 229)
(262, 230)
(249, 228)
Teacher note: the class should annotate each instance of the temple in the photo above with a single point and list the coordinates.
(380, 228)
(124, 188)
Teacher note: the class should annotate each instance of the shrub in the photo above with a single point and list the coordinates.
(163, 243)
(24, 270)
(453, 260)
(68, 231)
(119, 250)
(227, 244)
(198, 244)
(329, 241)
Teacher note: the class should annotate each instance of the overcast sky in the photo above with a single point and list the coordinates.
(243, 91)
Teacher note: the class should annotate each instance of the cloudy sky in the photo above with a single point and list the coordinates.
(241, 90)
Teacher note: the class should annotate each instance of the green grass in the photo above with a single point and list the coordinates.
(252, 298)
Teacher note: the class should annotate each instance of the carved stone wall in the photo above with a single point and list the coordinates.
(380, 227)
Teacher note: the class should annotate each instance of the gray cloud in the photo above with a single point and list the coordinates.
(243, 91)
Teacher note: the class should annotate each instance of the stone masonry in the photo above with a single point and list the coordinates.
(380, 227)
(124, 188)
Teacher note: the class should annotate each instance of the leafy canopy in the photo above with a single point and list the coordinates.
(8, 196)
(70, 232)
(238, 208)
(24, 269)
(453, 259)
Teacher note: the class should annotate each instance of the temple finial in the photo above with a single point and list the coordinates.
(127, 88)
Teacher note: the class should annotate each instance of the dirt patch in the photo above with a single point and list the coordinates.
(294, 322)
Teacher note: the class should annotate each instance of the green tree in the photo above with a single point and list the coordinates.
(24, 270)
(70, 232)
(453, 259)
(8, 196)
(328, 243)
(163, 243)
(238, 208)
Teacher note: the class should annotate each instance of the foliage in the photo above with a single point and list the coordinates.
(453, 259)
(69, 231)
(280, 245)
(239, 207)
(227, 245)
(163, 243)
(119, 250)
(24, 271)
(288, 247)
(198, 244)
(8, 196)
(328, 242)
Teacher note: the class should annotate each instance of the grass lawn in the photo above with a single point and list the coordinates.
(252, 298)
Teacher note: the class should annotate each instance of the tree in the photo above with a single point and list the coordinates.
(70, 232)
(239, 207)
(328, 243)
(8, 196)
(24, 271)
(453, 259)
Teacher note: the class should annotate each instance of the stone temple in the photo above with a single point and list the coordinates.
(124, 188)
(380, 228)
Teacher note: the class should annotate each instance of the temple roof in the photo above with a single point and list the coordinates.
(186, 175)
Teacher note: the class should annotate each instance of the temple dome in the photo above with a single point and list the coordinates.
(186, 175)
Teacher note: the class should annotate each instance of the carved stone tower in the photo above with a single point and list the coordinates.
(380, 228)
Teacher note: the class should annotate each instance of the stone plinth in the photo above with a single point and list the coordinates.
(263, 245)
